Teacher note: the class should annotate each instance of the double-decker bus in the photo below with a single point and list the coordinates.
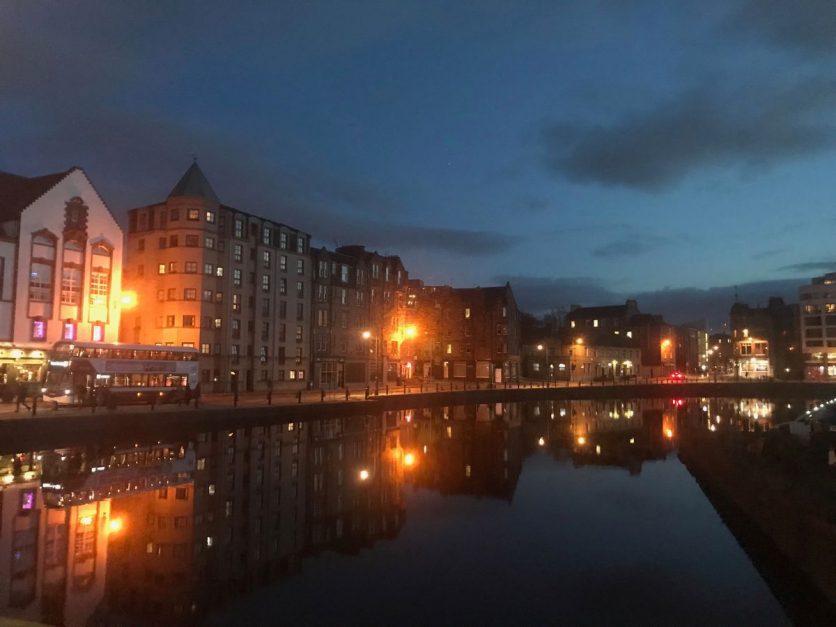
(119, 374)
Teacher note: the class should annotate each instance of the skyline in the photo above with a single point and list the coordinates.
(461, 139)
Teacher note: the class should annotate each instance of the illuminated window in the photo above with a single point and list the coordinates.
(467, 312)
(265, 259)
(69, 331)
(98, 332)
(210, 217)
(300, 244)
(38, 329)
(282, 286)
(209, 242)
(72, 271)
(300, 266)
(161, 269)
(237, 252)
(193, 214)
(42, 269)
(265, 236)
(594, 323)
(204, 348)
(265, 282)
(236, 277)
(239, 228)
(100, 268)
(283, 241)
(219, 271)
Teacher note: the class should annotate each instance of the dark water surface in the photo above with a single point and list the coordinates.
(546, 513)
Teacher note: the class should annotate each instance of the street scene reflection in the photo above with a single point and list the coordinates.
(165, 532)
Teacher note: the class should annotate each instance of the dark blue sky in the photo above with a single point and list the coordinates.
(586, 151)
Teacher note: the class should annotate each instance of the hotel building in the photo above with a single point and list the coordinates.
(234, 285)
(818, 327)
(60, 268)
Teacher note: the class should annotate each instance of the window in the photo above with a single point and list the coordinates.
(322, 293)
(467, 312)
(208, 269)
(236, 302)
(263, 354)
(236, 277)
(282, 286)
(169, 321)
(41, 269)
(191, 267)
(322, 317)
(239, 228)
(72, 273)
(265, 282)
(38, 329)
(265, 236)
(300, 266)
(299, 333)
(265, 307)
(300, 311)
(204, 348)
(172, 241)
(161, 268)
(192, 240)
(265, 259)
(188, 321)
(219, 297)
(98, 332)
(300, 289)
(193, 214)
(172, 293)
(210, 217)
(218, 323)
(69, 331)
(238, 252)
(100, 282)
(283, 241)
(175, 215)
(189, 293)
(172, 267)
(234, 350)
(300, 244)
(207, 296)
(283, 263)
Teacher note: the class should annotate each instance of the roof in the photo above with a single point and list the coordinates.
(18, 192)
(194, 183)
(607, 311)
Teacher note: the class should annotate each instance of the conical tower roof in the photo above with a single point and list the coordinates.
(194, 183)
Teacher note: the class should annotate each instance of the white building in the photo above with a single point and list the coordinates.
(60, 268)
(818, 327)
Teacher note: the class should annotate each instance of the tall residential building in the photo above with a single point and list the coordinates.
(235, 285)
(818, 327)
(359, 325)
(60, 268)
(466, 333)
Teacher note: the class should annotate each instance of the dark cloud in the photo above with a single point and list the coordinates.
(541, 294)
(809, 267)
(705, 127)
(633, 246)
(808, 26)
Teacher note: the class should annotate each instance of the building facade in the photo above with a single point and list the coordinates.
(60, 268)
(818, 327)
(360, 327)
(231, 284)
(765, 340)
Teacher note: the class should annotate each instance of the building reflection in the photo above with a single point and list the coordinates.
(162, 532)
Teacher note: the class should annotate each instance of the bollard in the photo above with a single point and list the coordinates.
(322, 395)
(367, 392)
(387, 389)
(269, 398)
(347, 393)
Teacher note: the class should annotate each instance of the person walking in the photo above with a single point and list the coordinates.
(21, 396)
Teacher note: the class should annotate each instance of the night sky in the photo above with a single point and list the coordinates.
(585, 151)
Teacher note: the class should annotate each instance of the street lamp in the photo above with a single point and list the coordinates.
(367, 335)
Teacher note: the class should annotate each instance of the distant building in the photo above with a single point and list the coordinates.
(60, 268)
(656, 340)
(818, 327)
(765, 341)
(466, 333)
(720, 354)
(234, 285)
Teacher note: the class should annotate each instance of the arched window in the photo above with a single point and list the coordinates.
(72, 273)
(42, 273)
(100, 267)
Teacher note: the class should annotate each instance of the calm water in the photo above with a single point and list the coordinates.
(552, 513)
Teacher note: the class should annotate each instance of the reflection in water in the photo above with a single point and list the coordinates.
(162, 532)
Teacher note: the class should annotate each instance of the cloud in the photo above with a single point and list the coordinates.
(807, 26)
(764, 254)
(632, 246)
(701, 128)
(809, 267)
(543, 294)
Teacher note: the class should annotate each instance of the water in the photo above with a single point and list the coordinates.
(559, 512)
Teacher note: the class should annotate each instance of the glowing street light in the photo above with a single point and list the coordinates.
(115, 525)
(364, 475)
(410, 331)
(539, 347)
(128, 300)
(367, 335)
(409, 459)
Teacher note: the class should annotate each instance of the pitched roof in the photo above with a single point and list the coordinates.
(18, 192)
(194, 183)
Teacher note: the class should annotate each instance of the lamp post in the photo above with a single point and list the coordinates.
(367, 335)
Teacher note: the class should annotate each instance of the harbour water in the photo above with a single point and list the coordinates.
(571, 512)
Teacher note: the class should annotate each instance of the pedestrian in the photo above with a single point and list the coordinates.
(197, 395)
(21, 396)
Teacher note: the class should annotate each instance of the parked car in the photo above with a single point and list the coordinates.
(677, 376)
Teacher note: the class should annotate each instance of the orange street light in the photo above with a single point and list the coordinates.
(115, 525)
(410, 331)
(367, 335)
(128, 300)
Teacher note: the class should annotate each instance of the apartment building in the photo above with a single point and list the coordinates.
(818, 327)
(234, 285)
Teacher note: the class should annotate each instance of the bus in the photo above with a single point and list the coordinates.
(93, 373)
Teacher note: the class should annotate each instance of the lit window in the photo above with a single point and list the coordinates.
(210, 217)
(467, 312)
(69, 331)
(193, 214)
(594, 323)
(98, 332)
(38, 329)
(265, 282)
(219, 271)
